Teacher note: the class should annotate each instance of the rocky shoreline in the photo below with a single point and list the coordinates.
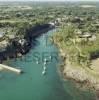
(83, 77)
(18, 47)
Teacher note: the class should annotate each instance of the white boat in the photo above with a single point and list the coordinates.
(43, 72)
(50, 57)
(45, 63)
(37, 62)
(45, 68)
(45, 60)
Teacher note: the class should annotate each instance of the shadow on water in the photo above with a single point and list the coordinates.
(34, 43)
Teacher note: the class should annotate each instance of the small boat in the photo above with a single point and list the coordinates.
(45, 68)
(37, 62)
(43, 72)
(50, 57)
(45, 63)
(45, 60)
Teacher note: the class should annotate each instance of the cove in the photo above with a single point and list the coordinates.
(32, 85)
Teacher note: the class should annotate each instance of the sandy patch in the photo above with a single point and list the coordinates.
(95, 65)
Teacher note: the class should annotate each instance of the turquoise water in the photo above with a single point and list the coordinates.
(32, 85)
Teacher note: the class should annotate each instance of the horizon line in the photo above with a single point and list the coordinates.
(49, 1)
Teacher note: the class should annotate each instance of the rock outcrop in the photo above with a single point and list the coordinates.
(16, 46)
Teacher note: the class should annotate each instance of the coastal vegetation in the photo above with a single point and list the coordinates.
(77, 34)
(78, 41)
(19, 25)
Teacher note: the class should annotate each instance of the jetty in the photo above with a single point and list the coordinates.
(5, 67)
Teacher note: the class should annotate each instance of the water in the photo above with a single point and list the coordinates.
(32, 85)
